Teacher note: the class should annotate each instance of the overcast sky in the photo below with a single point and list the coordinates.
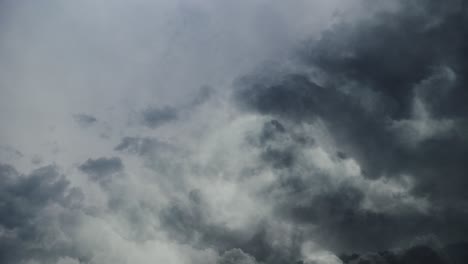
(233, 132)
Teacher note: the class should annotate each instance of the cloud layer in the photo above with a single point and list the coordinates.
(251, 132)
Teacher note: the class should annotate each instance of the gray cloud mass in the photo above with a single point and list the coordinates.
(245, 132)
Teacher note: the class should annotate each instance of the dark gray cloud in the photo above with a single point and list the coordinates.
(141, 145)
(154, 117)
(387, 85)
(102, 169)
(84, 120)
(450, 254)
(27, 227)
(359, 148)
(387, 103)
(380, 55)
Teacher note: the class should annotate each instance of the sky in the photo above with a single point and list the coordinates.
(233, 132)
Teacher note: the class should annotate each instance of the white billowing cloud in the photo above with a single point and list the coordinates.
(108, 245)
(314, 254)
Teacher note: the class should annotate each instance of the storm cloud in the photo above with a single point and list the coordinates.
(386, 89)
(247, 132)
(34, 209)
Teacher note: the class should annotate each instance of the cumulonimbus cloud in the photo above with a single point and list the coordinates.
(351, 150)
